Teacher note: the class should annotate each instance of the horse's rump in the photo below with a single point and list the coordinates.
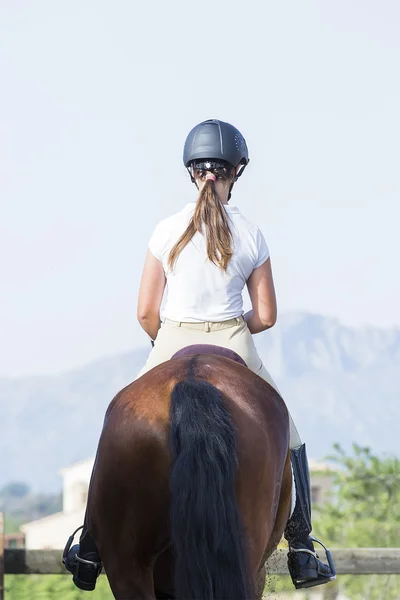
(129, 500)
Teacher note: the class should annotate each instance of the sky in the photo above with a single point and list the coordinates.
(96, 101)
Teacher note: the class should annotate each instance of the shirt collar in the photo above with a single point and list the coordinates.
(229, 209)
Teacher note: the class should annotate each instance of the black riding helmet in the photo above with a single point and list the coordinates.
(213, 144)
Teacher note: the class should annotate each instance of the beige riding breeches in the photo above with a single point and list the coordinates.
(233, 334)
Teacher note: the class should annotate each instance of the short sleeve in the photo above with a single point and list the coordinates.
(262, 249)
(158, 241)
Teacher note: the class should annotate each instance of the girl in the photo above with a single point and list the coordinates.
(206, 254)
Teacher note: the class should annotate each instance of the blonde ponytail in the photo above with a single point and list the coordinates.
(211, 219)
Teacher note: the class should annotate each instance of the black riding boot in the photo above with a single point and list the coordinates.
(83, 560)
(304, 566)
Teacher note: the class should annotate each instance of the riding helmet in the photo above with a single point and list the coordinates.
(215, 141)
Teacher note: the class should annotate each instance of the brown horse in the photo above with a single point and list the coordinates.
(191, 487)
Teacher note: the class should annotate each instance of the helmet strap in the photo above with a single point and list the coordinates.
(190, 171)
(239, 170)
(230, 190)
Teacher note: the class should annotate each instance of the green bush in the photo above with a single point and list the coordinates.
(364, 512)
(52, 587)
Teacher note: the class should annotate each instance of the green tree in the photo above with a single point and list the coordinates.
(364, 512)
(15, 489)
(21, 505)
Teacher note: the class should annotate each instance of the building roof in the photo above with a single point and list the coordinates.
(80, 463)
(42, 520)
(316, 466)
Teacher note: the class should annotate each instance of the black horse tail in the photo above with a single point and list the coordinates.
(207, 534)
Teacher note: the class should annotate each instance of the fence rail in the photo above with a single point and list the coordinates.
(349, 561)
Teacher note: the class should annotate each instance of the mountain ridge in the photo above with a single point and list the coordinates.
(330, 375)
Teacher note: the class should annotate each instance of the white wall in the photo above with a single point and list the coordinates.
(75, 485)
(52, 532)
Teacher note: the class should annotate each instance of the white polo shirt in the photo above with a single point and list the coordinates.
(198, 290)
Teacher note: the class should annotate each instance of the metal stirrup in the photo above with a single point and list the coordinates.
(328, 555)
(69, 544)
(96, 565)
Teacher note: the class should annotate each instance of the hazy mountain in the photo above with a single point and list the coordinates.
(341, 384)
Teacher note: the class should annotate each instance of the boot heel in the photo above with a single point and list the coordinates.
(305, 575)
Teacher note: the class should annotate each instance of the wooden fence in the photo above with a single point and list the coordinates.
(1, 556)
(349, 561)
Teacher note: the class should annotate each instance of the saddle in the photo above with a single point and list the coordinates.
(209, 349)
